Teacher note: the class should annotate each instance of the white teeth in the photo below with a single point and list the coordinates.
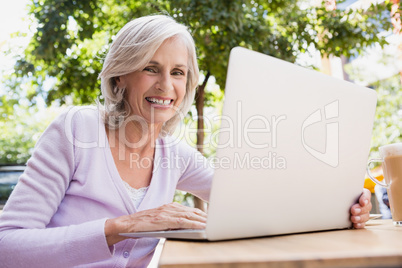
(158, 101)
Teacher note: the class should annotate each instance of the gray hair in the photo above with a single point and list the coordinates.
(132, 49)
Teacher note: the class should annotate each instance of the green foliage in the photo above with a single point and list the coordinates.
(347, 32)
(20, 132)
(212, 111)
(183, 198)
(218, 26)
(387, 124)
(72, 36)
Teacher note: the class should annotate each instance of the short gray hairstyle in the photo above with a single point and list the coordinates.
(132, 49)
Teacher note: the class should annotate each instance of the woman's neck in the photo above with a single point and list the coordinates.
(133, 137)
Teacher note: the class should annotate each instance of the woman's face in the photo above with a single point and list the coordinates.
(156, 92)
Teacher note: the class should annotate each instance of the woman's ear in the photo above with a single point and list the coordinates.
(120, 81)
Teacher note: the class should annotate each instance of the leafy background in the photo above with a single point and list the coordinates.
(61, 63)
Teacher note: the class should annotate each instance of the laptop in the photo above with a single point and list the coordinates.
(291, 151)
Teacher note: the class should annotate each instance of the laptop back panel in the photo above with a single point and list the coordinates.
(291, 152)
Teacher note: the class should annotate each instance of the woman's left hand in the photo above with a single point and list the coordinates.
(360, 212)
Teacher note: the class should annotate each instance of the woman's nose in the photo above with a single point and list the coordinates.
(165, 83)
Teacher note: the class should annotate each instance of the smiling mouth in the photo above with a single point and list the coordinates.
(159, 101)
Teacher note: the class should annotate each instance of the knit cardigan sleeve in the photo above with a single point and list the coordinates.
(198, 172)
(25, 239)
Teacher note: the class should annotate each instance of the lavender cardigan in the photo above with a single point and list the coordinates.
(56, 214)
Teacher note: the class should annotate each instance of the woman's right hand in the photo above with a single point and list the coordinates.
(166, 217)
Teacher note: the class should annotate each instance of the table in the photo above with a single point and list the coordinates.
(379, 245)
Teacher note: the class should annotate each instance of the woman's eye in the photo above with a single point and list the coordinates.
(150, 69)
(177, 72)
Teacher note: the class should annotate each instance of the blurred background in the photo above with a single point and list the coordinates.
(51, 52)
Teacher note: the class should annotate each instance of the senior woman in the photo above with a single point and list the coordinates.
(100, 171)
